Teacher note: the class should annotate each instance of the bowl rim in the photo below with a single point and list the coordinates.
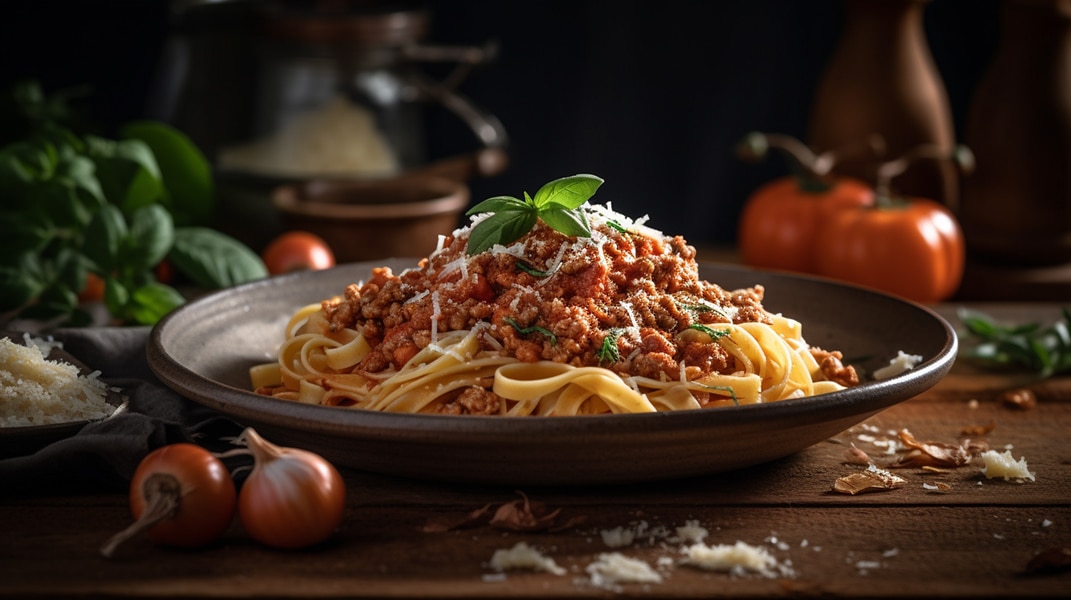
(447, 196)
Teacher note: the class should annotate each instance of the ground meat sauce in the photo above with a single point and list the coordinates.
(620, 300)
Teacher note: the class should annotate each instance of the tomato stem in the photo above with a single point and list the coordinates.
(960, 156)
(809, 168)
(163, 494)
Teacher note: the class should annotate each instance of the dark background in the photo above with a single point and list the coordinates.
(652, 96)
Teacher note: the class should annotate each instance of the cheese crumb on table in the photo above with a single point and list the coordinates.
(523, 556)
(612, 568)
(1003, 464)
(738, 558)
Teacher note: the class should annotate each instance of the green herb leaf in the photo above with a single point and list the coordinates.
(609, 352)
(105, 236)
(534, 272)
(499, 204)
(570, 192)
(569, 222)
(557, 203)
(151, 235)
(1045, 351)
(151, 302)
(725, 388)
(500, 228)
(533, 329)
(713, 333)
(214, 260)
(185, 171)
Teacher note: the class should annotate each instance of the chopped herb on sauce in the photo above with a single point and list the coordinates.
(533, 329)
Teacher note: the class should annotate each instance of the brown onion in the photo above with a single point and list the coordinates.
(293, 498)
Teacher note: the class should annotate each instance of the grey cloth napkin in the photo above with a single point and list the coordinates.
(103, 455)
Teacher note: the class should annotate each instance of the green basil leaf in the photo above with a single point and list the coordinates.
(81, 175)
(21, 164)
(20, 282)
(56, 301)
(30, 232)
(70, 269)
(105, 237)
(151, 235)
(500, 228)
(569, 222)
(214, 260)
(570, 192)
(151, 302)
(116, 296)
(128, 172)
(185, 171)
(499, 204)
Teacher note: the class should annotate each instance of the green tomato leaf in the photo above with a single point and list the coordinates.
(570, 192)
(105, 237)
(152, 234)
(500, 228)
(569, 222)
(214, 260)
(185, 171)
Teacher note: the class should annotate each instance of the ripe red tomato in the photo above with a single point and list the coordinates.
(201, 487)
(913, 248)
(93, 290)
(781, 222)
(296, 251)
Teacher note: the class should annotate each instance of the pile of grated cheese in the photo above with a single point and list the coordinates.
(38, 391)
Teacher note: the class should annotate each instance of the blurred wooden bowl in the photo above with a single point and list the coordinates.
(374, 219)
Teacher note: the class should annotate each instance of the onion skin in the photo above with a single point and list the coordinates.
(292, 498)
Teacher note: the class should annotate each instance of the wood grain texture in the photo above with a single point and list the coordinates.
(950, 533)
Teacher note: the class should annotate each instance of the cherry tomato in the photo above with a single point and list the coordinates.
(164, 272)
(296, 251)
(93, 290)
(180, 495)
(913, 248)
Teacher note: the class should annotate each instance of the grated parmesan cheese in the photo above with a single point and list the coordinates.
(1003, 464)
(737, 558)
(618, 537)
(901, 363)
(612, 568)
(38, 391)
(523, 556)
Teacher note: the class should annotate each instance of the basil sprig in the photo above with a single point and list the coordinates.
(557, 203)
(1043, 350)
(74, 203)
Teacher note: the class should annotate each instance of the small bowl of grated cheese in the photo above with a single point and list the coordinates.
(46, 394)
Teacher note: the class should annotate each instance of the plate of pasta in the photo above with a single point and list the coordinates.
(599, 355)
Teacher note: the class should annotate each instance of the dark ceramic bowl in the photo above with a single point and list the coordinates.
(204, 350)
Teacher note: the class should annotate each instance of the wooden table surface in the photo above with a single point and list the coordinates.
(947, 532)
